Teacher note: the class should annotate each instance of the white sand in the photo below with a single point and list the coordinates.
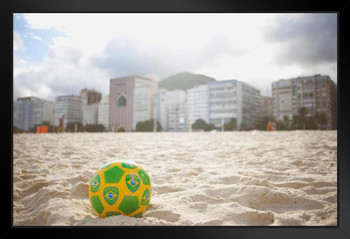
(225, 179)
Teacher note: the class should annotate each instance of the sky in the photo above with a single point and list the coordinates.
(62, 53)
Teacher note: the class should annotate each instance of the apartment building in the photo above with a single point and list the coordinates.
(318, 93)
(266, 107)
(233, 99)
(130, 101)
(71, 107)
(29, 111)
(170, 109)
(176, 111)
(249, 99)
(103, 112)
(197, 103)
(90, 114)
(91, 96)
(160, 108)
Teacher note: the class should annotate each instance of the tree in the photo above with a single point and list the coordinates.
(299, 121)
(33, 129)
(147, 126)
(209, 127)
(284, 124)
(321, 120)
(45, 122)
(286, 121)
(95, 128)
(200, 124)
(310, 123)
(243, 127)
(295, 122)
(302, 121)
(302, 112)
(71, 127)
(231, 125)
(51, 127)
(121, 129)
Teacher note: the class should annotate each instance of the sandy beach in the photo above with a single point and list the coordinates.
(208, 179)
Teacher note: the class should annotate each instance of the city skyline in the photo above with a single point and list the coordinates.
(57, 54)
(136, 99)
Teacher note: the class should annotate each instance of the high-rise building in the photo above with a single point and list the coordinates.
(222, 102)
(90, 114)
(130, 101)
(160, 108)
(282, 103)
(30, 111)
(170, 110)
(103, 112)
(266, 107)
(249, 108)
(197, 102)
(176, 111)
(143, 101)
(91, 96)
(233, 99)
(317, 93)
(71, 107)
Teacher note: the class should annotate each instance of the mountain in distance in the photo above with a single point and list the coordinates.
(184, 81)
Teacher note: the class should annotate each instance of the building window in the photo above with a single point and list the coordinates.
(121, 101)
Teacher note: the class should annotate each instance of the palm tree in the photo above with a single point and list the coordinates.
(295, 122)
(231, 125)
(321, 119)
(286, 122)
(302, 112)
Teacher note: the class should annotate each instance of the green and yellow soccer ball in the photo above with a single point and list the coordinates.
(120, 188)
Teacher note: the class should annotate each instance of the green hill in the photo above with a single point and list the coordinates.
(184, 81)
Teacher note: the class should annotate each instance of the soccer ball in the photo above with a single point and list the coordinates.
(120, 188)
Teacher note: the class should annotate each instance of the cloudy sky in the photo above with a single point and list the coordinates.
(59, 54)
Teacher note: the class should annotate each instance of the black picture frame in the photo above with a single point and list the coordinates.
(342, 8)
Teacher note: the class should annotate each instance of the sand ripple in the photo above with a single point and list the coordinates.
(225, 179)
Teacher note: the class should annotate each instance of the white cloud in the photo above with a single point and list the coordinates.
(173, 31)
(17, 41)
(32, 36)
(97, 47)
(65, 71)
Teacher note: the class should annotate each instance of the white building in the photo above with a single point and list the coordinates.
(282, 94)
(233, 99)
(144, 91)
(103, 112)
(177, 110)
(31, 111)
(197, 102)
(222, 102)
(160, 108)
(71, 107)
(90, 114)
(171, 110)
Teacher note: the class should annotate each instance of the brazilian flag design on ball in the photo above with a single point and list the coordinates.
(120, 188)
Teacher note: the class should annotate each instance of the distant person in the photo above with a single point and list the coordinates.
(61, 126)
(274, 125)
(269, 126)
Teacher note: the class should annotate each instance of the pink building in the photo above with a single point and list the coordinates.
(130, 101)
